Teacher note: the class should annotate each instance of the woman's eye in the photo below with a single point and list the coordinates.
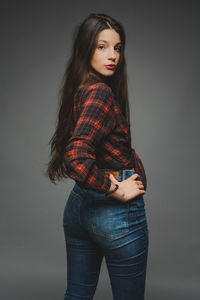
(100, 47)
(118, 49)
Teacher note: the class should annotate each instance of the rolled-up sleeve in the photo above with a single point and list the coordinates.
(95, 121)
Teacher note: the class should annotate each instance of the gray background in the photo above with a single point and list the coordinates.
(163, 70)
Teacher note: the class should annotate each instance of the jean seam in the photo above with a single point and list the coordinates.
(75, 196)
(84, 197)
(75, 193)
(71, 202)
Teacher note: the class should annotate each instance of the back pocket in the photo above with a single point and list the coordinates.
(109, 217)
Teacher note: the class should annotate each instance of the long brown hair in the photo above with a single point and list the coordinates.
(76, 74)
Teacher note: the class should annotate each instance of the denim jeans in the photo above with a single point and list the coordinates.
(97, 225)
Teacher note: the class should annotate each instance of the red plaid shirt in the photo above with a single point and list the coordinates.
(101, 139)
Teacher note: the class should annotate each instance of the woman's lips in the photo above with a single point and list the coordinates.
(110, 67)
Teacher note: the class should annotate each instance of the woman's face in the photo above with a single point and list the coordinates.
(107, 52)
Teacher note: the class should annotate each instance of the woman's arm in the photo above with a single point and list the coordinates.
(96, 120)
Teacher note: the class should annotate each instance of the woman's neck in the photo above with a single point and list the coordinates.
(97, 75)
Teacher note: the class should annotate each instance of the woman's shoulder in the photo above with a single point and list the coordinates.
(94, 87)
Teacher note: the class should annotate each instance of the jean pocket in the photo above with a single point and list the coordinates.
(109, 217)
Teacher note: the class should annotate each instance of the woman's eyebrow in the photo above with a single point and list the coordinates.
(107, 42)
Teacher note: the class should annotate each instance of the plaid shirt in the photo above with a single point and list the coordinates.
(101, 139)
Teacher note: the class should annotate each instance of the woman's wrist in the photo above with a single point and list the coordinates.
(118, 192)
(112, 190)
(112, 187)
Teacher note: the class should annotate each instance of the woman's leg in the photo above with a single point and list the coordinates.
(84, 257)
(120, 229)
(126, 263)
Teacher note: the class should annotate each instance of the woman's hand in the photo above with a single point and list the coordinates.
(128, 188)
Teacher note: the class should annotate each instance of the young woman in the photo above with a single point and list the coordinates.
(104, 215)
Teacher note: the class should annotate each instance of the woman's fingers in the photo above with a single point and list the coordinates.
(141, 186)
(134, 176)
(112, 178)
(131, 187)
(139, 182)
(142, 192)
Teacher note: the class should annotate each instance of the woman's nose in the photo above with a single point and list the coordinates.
(112, 54)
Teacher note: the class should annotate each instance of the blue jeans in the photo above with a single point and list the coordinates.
(97, 226)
